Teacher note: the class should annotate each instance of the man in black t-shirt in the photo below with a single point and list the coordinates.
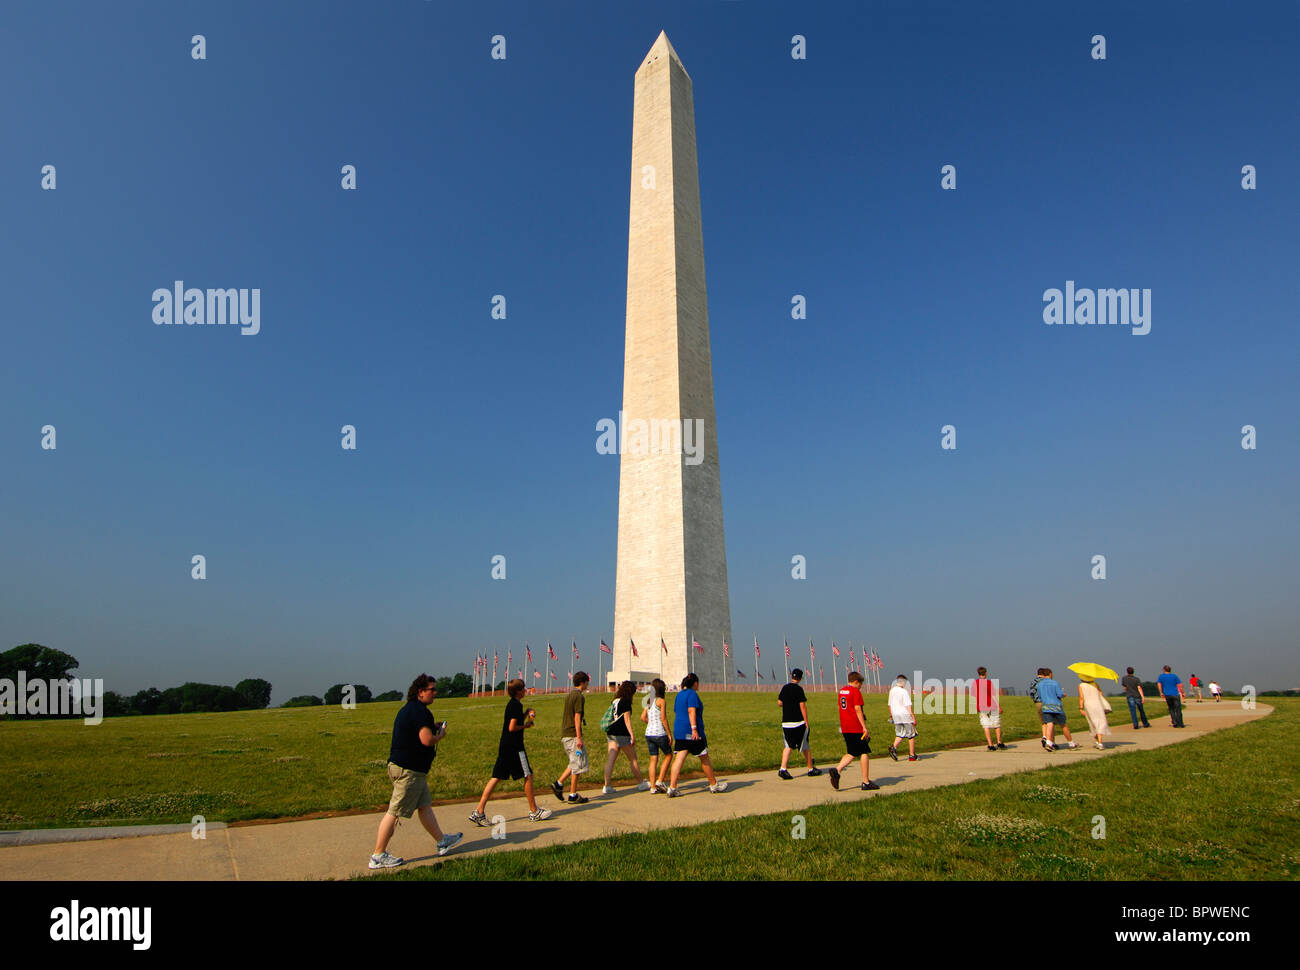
(1136, 699)
(794, 724)
(410, 755)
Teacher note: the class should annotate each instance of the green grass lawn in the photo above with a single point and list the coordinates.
(287, 762)
(1219, 807)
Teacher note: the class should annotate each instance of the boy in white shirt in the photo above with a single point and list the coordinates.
(900, 712)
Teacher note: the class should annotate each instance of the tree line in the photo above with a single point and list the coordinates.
(47, 664)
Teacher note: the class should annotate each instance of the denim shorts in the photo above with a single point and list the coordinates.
(659, 745)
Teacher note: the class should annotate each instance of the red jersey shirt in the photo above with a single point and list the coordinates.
(850, 697)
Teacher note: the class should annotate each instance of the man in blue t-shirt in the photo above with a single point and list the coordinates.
(1172, 689)
(1051, 694)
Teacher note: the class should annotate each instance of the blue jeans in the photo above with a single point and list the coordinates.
(1135, 708)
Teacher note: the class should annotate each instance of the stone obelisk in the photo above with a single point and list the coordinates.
(671, 580)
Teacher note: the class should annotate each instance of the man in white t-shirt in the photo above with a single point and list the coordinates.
(1215, 691)
(900, 712)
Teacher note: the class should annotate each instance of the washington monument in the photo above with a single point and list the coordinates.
(671, 580)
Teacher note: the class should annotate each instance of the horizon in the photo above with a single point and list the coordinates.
(477, 436)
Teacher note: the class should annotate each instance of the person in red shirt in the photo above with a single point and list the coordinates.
(853, 725)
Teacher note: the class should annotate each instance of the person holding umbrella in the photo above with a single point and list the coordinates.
(1092, 702)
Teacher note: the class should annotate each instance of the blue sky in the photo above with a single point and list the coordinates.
(477, 436)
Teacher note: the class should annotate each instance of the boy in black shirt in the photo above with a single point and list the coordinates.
(794, 724)
(512, 759)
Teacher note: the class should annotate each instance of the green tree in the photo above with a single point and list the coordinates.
(115, 705)
(392, 695)
(303, 700)
(255, 692)
(146, 701)
(461, 685)
(40, 663)
(334, 695)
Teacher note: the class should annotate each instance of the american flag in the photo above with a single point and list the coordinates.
(552, 675)
(510, 659)
(812, 653)
(850, 657)
(634, 650)
(759, 673)
(575, 649)
(662, 644)
(834, 649)
(787, 650)
(757, 653)
(536, 675)
(875, 659)
(726, 650)
(551, 651)
(604, 647)
(740, 673)
(530, 654)
(696, 645)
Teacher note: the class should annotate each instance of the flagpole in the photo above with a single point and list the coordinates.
(755, 663)
(812, 665)
(546, 683)
(835, 670)
(725, 661)
(786, 640)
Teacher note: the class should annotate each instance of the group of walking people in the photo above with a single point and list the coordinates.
(416, 736)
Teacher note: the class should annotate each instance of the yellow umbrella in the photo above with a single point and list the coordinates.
(1095, 671)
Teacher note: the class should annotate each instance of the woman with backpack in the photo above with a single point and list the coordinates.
(617, 724)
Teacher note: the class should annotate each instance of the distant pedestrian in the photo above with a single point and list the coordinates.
(571, 722)
(989, 709)
(904, 718)
(1171, 687)
(619, 735)
(857, 739)
(512, 759)
(688, 729)
(794, 724)
(654, 712)
(1215, 692)
(1052, 694)
(1195, 684)
(410, 755)
(1136, 699)
(1094, 706)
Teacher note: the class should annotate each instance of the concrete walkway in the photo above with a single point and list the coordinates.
(337, 848)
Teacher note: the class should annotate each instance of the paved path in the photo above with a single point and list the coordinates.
(337, 848)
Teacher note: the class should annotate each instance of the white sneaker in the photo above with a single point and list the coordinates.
(719, 787)
(1071, 744)
(448, 842)
(661, 788)
(385, 861)
(541, 815)
(607, 790)
(644, 786)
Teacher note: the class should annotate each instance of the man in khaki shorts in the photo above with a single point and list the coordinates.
(571, 724)
(415, 736)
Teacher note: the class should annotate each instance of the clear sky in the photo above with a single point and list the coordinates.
(476, 437)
